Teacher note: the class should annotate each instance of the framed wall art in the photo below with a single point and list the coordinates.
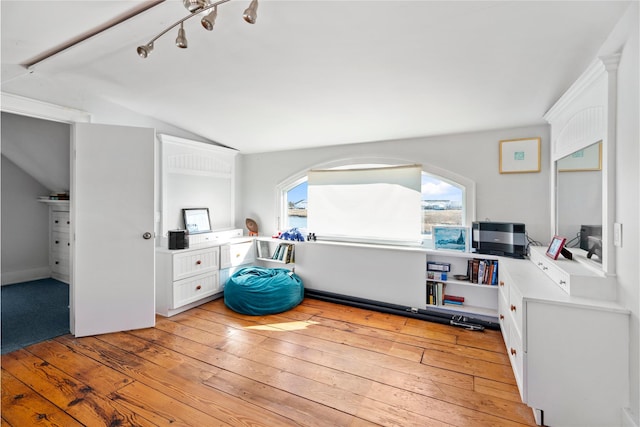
(520, 155)
(451, 238)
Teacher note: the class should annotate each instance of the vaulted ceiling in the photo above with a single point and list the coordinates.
(308, 73)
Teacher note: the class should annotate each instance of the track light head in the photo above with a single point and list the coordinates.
(181, 40)
(209, 20)
(194, 6)
(251, 13)
(145, 50)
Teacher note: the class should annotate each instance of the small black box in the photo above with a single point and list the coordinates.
(178, 239)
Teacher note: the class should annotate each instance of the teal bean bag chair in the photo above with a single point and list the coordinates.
(260, 290)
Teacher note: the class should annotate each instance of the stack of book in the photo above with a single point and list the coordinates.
(452, 300)
(483, 271)
(436, 275)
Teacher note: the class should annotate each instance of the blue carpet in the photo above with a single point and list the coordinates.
(33, 312)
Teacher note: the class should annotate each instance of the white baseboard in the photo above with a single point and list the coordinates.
(11, 277)
(627, 419)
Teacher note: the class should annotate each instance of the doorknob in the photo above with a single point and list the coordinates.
(147, 235)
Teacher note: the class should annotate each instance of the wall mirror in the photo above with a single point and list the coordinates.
(583, 147)
(579, 198)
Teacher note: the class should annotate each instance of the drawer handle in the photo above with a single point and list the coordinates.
(237, 255)
(502, 317)
(67, 222)
(57, 241)
(545, 268)
(513, 307)
(198, 262)
(57, 262)
(198, 287)
(539, 264)
(501, 283)
(56, 221)
(513, 351)
(562, 282)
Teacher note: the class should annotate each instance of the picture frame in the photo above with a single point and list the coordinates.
(196, 220)
(586, 159)
(555, 247)
(451, 238)
(520, 155)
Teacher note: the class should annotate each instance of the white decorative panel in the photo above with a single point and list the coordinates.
(585, 127)
(198, 163)
(196, 175)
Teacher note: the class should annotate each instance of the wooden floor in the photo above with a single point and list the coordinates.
(320, 364)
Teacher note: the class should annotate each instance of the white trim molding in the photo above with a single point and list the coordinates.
(16, 104)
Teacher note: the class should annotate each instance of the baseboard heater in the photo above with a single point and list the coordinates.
(460, 320)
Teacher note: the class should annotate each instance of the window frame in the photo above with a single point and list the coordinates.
(467, 185)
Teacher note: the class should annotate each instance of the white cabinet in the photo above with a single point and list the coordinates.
(59, 239)
(237, 253)
(569, 353)
(186, 278)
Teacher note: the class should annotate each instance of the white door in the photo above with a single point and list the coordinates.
(112, 210)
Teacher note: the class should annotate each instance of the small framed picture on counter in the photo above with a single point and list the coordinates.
(555, 247)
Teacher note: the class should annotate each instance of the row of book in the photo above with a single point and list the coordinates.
(436, 295)
(284, 252)
(482, 271)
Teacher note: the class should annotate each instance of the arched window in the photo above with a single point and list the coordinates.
(447, 199)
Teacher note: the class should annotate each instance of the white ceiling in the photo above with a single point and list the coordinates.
(311, 73)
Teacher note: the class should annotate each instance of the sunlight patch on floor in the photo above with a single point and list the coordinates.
(286, 326)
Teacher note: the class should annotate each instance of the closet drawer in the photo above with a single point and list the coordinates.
(195, 288)
(60, 221)
(60, 264)
(60, 243)
(195, 262)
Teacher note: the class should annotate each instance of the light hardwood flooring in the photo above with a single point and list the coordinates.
(320, 364)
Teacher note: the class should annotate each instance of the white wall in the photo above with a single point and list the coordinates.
(25, 226)
(39, 147)
(506, 197)
(624, 39)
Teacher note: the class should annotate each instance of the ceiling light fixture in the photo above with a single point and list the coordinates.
(198, 7)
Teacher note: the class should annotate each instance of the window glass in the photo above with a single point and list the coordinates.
(442, 203)
(296, 202)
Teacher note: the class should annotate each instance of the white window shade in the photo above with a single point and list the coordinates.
(373, 204)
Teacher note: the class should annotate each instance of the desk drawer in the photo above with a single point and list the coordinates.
(195, 288)
(190, 263)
